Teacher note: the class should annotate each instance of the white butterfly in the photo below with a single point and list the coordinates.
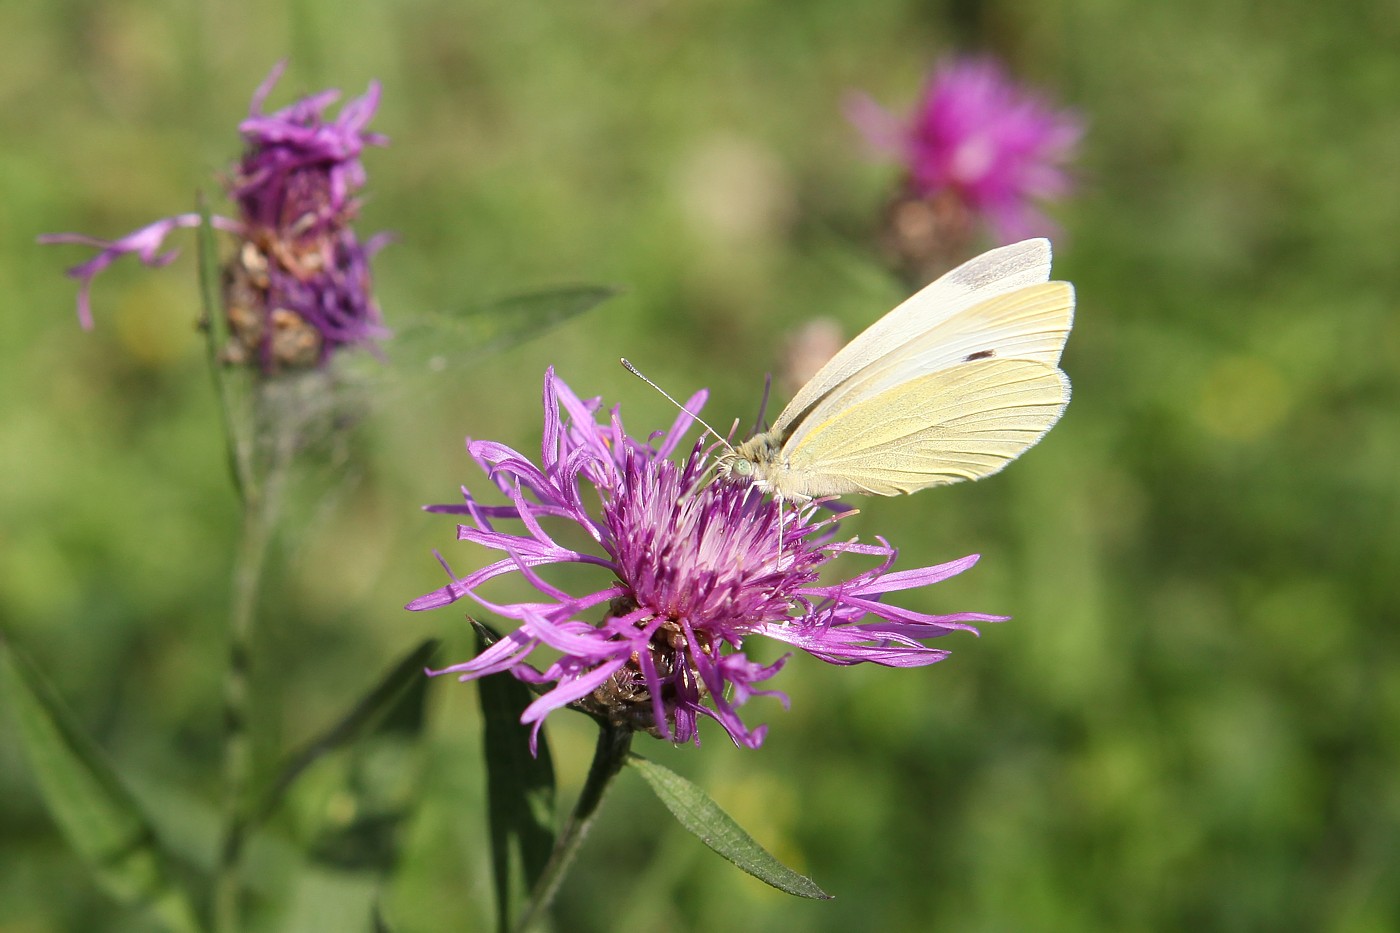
(952, 385)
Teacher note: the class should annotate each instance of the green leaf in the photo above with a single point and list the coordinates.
(346, 797)
(95, 811)
(438, 342)
(393, 704)
(231, 383)
(703, 817)
(519, 787)
(213, 322)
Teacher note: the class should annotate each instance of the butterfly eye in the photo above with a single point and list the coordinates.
(743, 468)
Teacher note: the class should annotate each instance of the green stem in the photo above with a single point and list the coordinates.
(266, 455)
(608, 759)
(238, 753)
(229, 386)
(242, 413)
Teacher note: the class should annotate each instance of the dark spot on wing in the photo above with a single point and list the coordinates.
(980, 355)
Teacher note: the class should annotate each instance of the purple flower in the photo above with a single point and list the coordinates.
(692, 569)
(979, 140)
(298, 287)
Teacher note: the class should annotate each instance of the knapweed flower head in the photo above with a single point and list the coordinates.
(298, 285)
(978, 146)
(690, 570)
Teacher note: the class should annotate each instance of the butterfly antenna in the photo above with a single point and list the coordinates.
(638, 373)
(760, 424)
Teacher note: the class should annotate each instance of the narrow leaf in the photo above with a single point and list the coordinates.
(444, 341)
(210, 281)
(230, 383)
(351, 806)
(519, 787)
(374, 711)
(95, 811)
(703, 817)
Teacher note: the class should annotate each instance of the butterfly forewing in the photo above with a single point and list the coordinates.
(1030, 323)
(963, 422)
(995, 272)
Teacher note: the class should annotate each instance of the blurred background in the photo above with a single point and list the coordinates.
(1193, 717)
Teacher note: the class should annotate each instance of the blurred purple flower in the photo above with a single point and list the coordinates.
(696, 568)
(992, 146)
(299, 285)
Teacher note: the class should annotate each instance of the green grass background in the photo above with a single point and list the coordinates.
(1192, 721)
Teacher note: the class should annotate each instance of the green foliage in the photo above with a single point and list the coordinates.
(438, 343)
(1193, 719)
(97, 814)
(519, 788)
(392, 708)
(694, 810)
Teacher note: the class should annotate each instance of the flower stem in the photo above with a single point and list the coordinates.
(608, 759)
(247, 584)
(261, 449)
(242, 409)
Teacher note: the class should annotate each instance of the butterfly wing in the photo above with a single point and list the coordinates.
(958, 423)
(996, 272)
(1031, 323)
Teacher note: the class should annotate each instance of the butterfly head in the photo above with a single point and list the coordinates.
(756, 460)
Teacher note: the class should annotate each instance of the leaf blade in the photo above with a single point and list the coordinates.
(364, 717)
(98, 816)
(519, 786)
(447, 340)
(694, 809)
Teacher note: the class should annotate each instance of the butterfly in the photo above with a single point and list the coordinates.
(952, 385)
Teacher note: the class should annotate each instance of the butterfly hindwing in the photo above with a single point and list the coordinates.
(960, 423)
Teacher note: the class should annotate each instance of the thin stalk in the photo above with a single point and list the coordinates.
(240, 436)
(229, 387)
(608, 759)
(261, 498)
(247, 583)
